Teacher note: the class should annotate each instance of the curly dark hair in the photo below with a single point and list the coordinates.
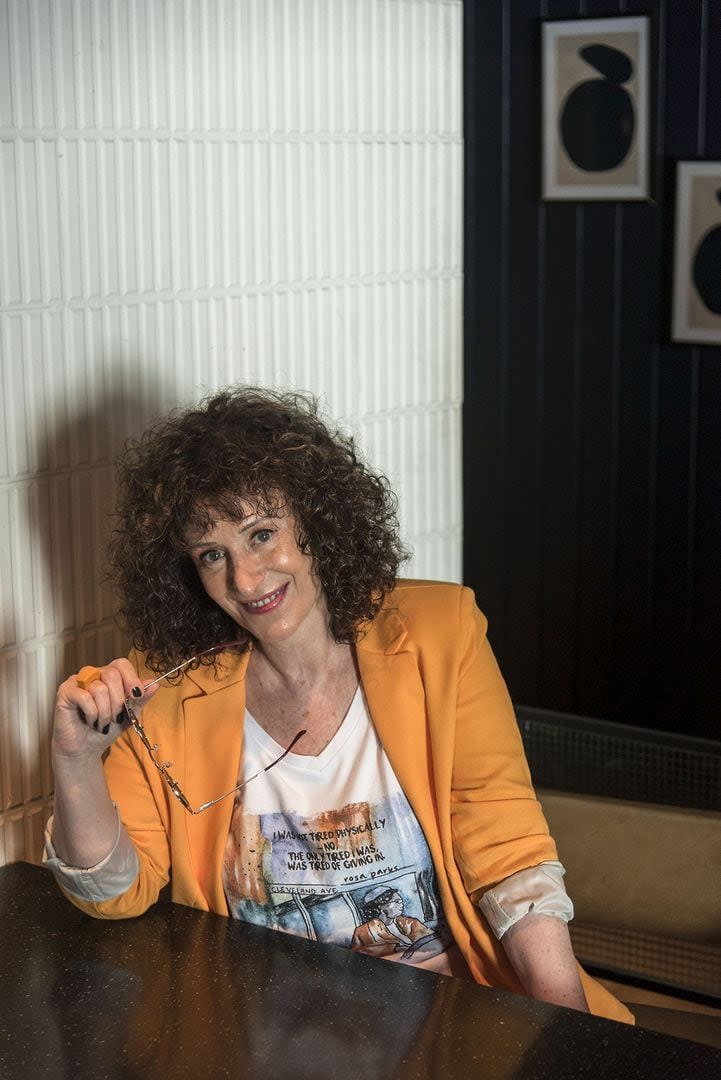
(197, 467)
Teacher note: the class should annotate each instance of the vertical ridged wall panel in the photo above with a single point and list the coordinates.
(195, 193)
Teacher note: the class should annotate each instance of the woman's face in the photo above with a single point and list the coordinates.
(392, 908)
(254, 570)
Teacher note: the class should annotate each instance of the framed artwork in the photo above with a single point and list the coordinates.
(697, 253)
(596, 108)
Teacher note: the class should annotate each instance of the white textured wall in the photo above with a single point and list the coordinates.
(199, 192)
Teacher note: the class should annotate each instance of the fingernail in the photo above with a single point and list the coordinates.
(95, 724)
(106, 729)
(137, 692)
(120, 718)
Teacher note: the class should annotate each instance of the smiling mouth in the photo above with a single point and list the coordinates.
(266, 603)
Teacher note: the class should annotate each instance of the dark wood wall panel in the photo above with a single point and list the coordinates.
(592, 458)
(523, 362)
(483, 479)
(597, 494)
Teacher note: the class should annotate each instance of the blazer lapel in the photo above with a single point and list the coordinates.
(213, 712)
(396, 698)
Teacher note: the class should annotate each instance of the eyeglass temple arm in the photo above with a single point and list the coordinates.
(239, 787)
(92, 674)
(185, 663)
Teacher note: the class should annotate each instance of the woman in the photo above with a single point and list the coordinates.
(353, 732)
(387, 930)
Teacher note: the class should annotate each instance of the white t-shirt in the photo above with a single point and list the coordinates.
(329, 848)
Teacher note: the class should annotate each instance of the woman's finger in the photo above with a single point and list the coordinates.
(87, 676)
(120, 669)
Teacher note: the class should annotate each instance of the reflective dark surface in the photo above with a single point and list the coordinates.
(180, 993)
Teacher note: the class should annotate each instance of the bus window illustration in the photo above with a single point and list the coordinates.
(388, 931)
(707, 267)
(597, 121)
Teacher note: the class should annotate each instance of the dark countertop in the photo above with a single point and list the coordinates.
(181, 993)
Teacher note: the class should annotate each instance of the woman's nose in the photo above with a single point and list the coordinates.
(245, 577)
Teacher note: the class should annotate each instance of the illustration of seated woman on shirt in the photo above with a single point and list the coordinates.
(389, 931)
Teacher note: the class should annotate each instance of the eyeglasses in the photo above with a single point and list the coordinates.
(164, 766)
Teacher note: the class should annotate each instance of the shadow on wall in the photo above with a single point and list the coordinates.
(62, 610)
(73, 533)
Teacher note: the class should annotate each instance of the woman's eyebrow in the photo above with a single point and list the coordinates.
(253, 522)
(247, 523)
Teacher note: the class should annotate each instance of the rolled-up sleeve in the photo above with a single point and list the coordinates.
(109, 878)
(539, 890)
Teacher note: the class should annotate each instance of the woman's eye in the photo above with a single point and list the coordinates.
(208, 558)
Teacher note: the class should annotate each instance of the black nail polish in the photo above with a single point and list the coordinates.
(106, 729)
(120, 718)
(95, 724)
(137, 692)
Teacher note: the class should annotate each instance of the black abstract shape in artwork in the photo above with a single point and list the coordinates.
(597, 121)
(707, 267)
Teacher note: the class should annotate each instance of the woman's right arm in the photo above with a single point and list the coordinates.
(88, 719)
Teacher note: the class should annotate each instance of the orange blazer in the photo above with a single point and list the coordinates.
(442, 711)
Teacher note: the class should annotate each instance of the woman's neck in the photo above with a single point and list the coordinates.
(309, 690)
(298, 664)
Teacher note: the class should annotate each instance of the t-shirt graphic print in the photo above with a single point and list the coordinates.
(329, 848)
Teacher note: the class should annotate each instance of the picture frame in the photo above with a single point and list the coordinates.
(596, 109)
(696, 304)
